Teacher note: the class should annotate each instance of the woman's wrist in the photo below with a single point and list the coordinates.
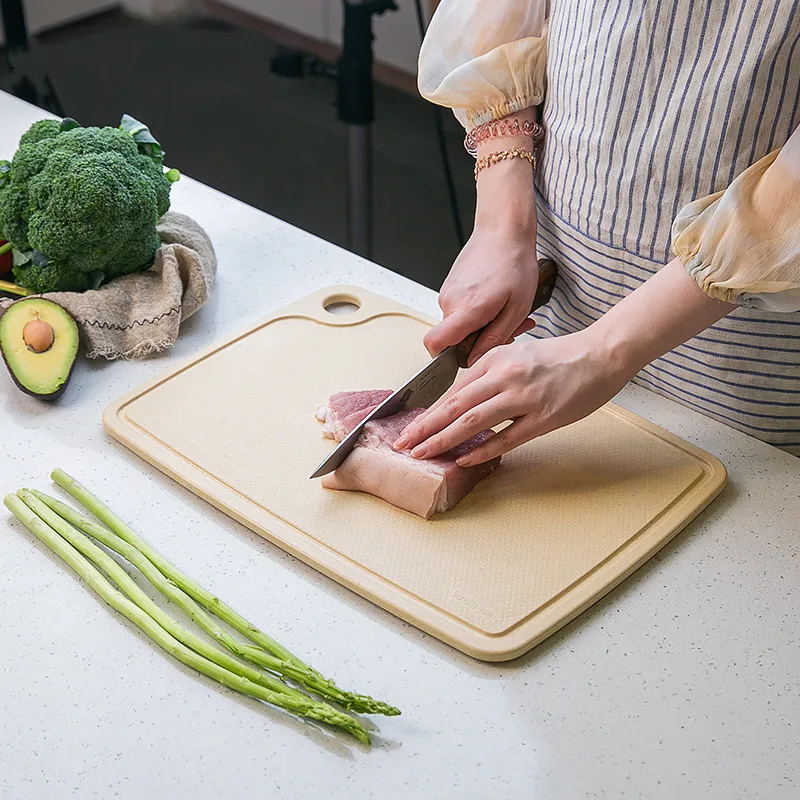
(506, 200)
(508, 132)
(614, 349)
(665, 311)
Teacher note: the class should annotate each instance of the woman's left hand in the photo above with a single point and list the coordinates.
(538, 384)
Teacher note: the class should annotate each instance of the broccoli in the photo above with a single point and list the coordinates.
(44, 129)
(80, 205)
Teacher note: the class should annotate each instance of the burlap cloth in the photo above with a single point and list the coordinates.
(141, 314)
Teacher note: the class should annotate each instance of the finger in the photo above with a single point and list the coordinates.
(443, 413)
(526, 325)
(457, 405)
(479, 418)
(462, 381)
(497, 333)
(513, 436)
(451, 330)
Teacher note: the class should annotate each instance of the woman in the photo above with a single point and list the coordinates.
(669, 130)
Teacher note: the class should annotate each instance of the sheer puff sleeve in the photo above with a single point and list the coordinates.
(742, 245)
(485, 59)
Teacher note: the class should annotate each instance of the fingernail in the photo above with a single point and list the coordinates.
(419, 451)
(464, 461)
(401, 442)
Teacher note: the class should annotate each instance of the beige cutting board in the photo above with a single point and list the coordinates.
(562, 521)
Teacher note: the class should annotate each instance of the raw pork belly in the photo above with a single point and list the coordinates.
(425, 487)
(346, 409)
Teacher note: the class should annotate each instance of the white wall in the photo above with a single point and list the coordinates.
(43, 14)
(154, 9)
(306, 16)
(397, 39)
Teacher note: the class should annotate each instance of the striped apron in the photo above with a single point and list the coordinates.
(650, 105)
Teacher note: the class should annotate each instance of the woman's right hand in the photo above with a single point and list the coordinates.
(492, 283)
(493, 280)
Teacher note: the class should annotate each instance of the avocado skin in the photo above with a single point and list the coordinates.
(47, 396)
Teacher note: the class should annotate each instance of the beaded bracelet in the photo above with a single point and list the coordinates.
(502, 155)
(502, 127)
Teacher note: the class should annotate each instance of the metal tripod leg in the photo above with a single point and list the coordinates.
(359, 189)
(356, 103)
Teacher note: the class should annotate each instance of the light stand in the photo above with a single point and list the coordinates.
(356, 104)
(355, 99)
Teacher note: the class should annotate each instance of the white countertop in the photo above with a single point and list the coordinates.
(683, 682)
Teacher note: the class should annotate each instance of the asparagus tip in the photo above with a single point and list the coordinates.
(355, 728)
(363, 736)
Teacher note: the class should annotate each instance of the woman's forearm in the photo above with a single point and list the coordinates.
(505, 196)
(665, 311)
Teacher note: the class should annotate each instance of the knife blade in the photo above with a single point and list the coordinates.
(432, 381)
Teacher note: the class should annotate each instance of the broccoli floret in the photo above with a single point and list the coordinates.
(43, 129)
(161, 187)
(52, 277)
(85, 202)
(14, 215)
(144, 247)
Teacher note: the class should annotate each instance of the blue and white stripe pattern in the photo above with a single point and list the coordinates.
(651, 105)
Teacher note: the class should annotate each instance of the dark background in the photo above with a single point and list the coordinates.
(205, 89)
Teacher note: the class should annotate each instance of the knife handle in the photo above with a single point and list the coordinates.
(548, 272)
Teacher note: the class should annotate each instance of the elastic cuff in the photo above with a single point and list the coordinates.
(470, 119)
(700, 273)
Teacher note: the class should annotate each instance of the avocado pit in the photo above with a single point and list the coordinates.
(38, 336)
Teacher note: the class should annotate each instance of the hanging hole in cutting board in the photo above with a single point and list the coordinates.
(341, 304)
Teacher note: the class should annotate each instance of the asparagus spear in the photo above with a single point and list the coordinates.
(169, 589)
(101, 559)
(300, 705)
(12, 288)
(292, 666)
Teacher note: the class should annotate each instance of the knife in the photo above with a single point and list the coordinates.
(433, 380)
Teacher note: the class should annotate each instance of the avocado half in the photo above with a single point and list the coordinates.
(39, 344)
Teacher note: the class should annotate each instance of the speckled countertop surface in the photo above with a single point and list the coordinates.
(683, 682)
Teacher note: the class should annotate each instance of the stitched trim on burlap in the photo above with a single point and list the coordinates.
(137, 322)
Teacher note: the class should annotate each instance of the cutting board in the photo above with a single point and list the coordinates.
(562, 521)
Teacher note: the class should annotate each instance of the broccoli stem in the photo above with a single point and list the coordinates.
(58, 540)
(268, 654)
(4, 248)
(12, 288)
